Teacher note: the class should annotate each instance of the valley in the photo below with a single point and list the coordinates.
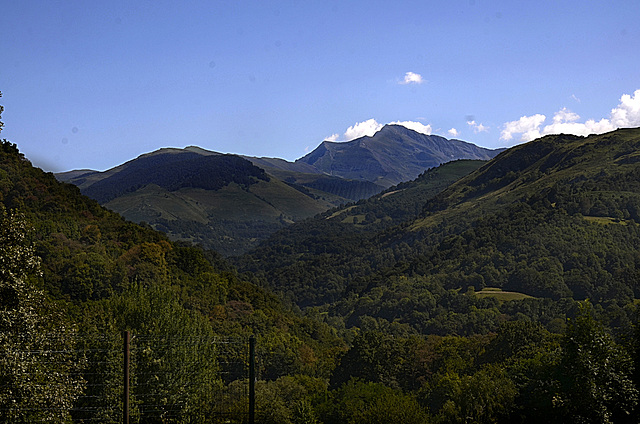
(481, 289)
(230, 203)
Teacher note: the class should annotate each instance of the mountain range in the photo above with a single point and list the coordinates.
(481, 291)
(230, 203)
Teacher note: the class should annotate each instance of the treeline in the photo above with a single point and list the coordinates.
(349, 189)
(522, 373)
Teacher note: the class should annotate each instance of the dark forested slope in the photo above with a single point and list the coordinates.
(173, 171)
(222, 202)
(344, 237)
(93, 260)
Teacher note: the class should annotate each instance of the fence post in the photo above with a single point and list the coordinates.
(125, 391)
(252, 380)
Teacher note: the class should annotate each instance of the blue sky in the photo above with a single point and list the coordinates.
(90, 84)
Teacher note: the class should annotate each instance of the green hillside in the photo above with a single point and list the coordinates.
(588, 167)
(222, 202)
(556, 218)
(558, 215)
(504, 298)
(92, 259)
(322, 246)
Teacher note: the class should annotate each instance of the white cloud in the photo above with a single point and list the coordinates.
(416, 126)
(625, 115)
(361, 129)
(453, 132)
(565, 115)
(412, 78)
(477, 127)
(528, 126)
(332, 137)
(371, 126)
(564, 122)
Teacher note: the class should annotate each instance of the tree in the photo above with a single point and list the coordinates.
(374, 357)
(362, 402)
(1, 110)
(175, 360)
(596, 373)
(37, 369)
(287, 400)
(486, 396)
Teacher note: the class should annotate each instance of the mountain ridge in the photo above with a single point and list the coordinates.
(231, 202)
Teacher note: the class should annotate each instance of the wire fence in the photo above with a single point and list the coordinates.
(114, 378)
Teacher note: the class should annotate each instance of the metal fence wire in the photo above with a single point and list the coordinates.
(115, 378)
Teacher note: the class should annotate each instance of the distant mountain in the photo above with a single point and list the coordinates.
(366, 166)
(223, 202)
(392, 155)
(230, 203)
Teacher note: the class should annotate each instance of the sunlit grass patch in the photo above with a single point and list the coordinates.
(503, 296)
(604, 220)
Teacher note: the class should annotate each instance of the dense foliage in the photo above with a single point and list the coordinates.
(104, 275)
(314, 261)
(553, 219)
(547, 223)
(226, 236)
(26, 319)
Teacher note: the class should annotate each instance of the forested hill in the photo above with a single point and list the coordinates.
(345, 232)
(554, 218)
(230, 203)
(103, 273)
(173, 171)
(222, 202)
